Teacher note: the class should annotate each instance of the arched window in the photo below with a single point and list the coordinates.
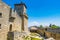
(0, 26)
(0, 15)
(10, 29)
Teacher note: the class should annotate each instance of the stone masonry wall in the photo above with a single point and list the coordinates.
(4, 10)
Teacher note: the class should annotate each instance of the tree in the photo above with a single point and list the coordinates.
(41, 26)
(50, 25)
(54, 26)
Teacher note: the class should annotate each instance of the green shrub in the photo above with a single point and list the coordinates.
(36, 39)
(33, 37)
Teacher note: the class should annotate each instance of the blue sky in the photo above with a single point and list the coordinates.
(43, 12)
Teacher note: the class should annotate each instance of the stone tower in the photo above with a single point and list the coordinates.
(21, 10)
(13, 22)
(4, 17)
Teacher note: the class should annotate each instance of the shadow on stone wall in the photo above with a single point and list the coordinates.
(10, 36)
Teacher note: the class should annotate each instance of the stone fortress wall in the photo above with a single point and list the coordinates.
(12, 22)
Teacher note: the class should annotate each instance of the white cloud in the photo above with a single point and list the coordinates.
(44, 23)
(34, 23)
